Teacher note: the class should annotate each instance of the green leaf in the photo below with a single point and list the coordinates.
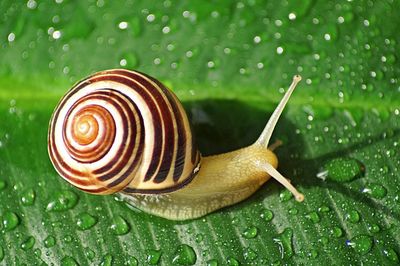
(229, 62)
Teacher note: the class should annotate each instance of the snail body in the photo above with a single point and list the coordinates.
(123, 131)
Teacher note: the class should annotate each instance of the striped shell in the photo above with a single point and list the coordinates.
(122, 130)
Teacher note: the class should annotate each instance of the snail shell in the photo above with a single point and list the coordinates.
(122, 130)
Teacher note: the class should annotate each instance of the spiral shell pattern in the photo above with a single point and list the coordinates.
(122, 130)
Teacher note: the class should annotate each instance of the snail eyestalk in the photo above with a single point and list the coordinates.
(265, 136)
(285, 182)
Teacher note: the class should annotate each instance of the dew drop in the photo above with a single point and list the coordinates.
(119, 226)
(28, 197)
(313, 217)
(69, 261)
(10, 220)
(129, 60)
(267, 215)
(132, 261)
(135, 26)
(250, 232)
(49, 242)
(232, 262)
(80, 26)
(284, 241)
(68, 238)
(184, 255)
(235, 221)
(153, 256)
(28, 243)
(374, 228)
(375, 190)
(361, 244)
(3, 183)
(1, 254)
(324, 209)
(249, 254)
(123, 25)
(85, 221)
(293, 211)
(107, 260)
(285, 195)
(389, 253)
(212, 262)
(336, 232)
(343, 169)
(89, 253)
(313, 254)
(199, 238)
(62, 200)
(353, 216)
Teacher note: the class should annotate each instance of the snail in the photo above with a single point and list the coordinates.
(121, 131)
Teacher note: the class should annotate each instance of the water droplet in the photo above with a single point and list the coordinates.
(49, 242)
(107, 260)
(37, 252)
(28, 243)
(28, 197)
(232, 261)
(89, 253)
(267, 215)
(119, 225)
(284, 241)
(250, 232)
(374, 228)
(389, 253)
(324, 209)
(199, 238)
(85, 221)
(249, 254)
(129, 60)
(135, 26)
(79, 26)
(353, 216)
(3, 183)
(184, 255)
(10, 220)
(123, 25)
(1, 254)
(212, 262)
(361, 244)
(313, 254)
(293, 211)
(69, 261)
(337, 231)
(285, 195)
(324, 240)
(153, 256)
(375, 190)
(132, 261)
(235, 221)
(62, 201)
(68, 238)
(343, 169)
(313, 217)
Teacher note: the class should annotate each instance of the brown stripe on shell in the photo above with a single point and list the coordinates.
(159, 168)
(156, 115)
(96, 153)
